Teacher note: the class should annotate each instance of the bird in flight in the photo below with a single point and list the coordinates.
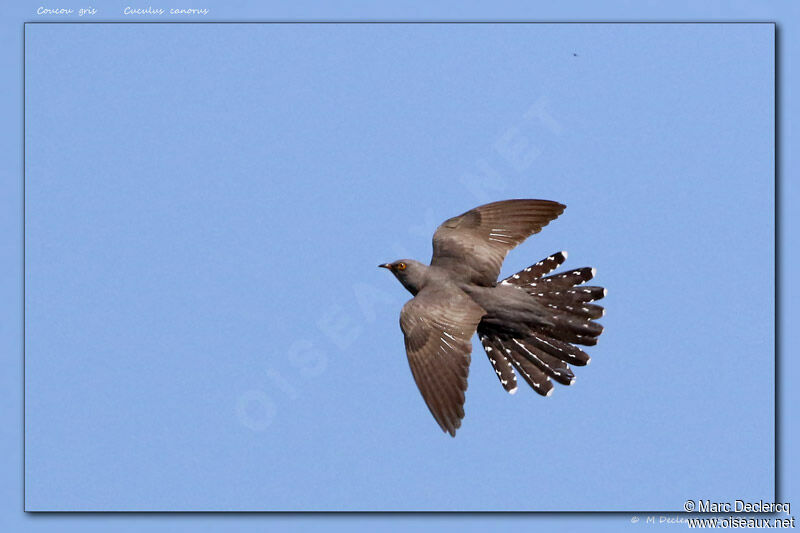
(529, 322)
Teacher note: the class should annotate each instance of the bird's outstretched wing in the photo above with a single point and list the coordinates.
(438, 324)
(473, 245)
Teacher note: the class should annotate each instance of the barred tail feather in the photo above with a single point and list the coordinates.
(585, 293)
(534, 272)
(547, 349)
(567, 298)
(560, 349)
(535, 377)
(502, 366)
(563, 287)
(552, 366)
(537, 358)
(564, 280)
(564, 321)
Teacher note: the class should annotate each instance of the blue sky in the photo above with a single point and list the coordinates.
(11, 255)
(206, 206)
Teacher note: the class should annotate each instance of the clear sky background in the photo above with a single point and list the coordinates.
(262, 383)
(206, 207)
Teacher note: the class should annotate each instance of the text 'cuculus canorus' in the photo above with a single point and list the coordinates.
(530, 321)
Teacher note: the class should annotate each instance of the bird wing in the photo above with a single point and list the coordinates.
(473, 245)
(438, 324)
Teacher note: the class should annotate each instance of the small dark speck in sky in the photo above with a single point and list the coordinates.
(574, 54)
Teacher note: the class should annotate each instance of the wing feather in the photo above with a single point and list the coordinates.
(438, 324)
(474, 244)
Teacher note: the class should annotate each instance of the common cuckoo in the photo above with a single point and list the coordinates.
(529, 322)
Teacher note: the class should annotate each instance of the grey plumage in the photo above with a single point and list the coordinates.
(528, 322)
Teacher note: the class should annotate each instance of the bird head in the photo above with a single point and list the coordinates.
(409, 272)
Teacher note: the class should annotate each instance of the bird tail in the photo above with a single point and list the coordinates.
(548, 348)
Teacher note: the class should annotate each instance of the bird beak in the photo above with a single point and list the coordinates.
(385, 265)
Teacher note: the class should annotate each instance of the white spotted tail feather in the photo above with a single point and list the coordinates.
(548, 348)
(502, 365)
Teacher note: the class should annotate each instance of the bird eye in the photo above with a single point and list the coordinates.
(401, 266)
